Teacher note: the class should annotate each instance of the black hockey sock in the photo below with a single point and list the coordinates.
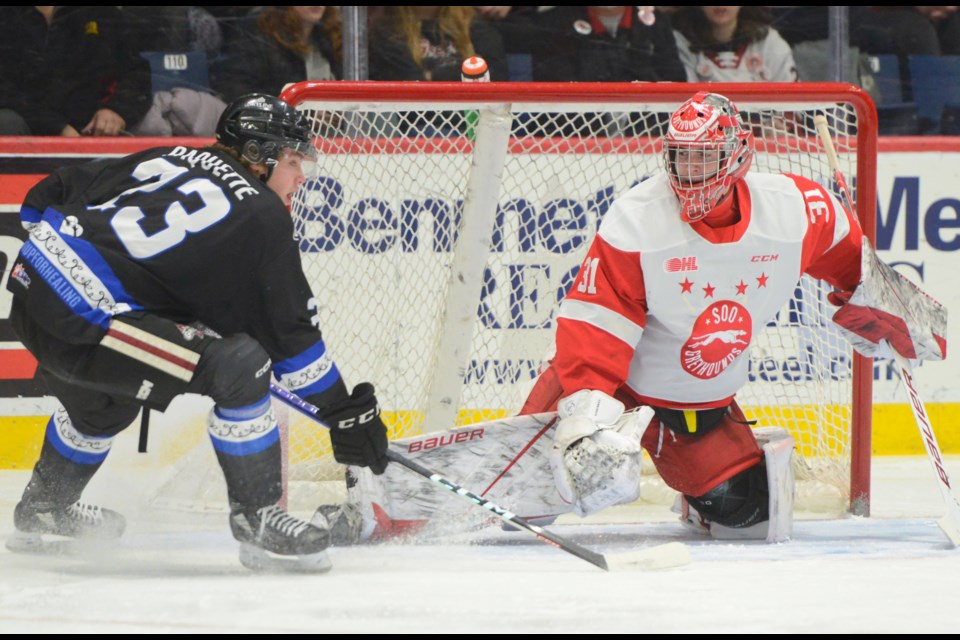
(253, 480)
(56, 481)
(248, 450)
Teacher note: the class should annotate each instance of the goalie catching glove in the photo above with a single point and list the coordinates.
(596, 457)
(886, 307)
(357, 433)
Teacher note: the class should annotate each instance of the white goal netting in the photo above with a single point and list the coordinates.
(442, 224)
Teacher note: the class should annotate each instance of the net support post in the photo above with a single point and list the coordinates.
(470, 258)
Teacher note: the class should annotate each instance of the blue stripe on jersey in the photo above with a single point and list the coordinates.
(320, 385)
(245, 447)
(92, 258)
(311, 371)
(302, 359)
(244, 413)
(74, 451)
(29, 215)
(82, 295)
(64, 289)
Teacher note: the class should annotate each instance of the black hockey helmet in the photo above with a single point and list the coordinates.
(259, 126)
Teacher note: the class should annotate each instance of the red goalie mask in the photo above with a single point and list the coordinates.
(706, 150)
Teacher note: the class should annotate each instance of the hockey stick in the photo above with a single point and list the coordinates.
(950, 522)
(671, 554)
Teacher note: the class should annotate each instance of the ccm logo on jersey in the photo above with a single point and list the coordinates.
(687, 263)
(363, 418)
(769, 258)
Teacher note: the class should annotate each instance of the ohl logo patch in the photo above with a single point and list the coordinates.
(720, 334)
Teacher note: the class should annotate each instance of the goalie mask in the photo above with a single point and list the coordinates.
(706, 149)
(259, 127)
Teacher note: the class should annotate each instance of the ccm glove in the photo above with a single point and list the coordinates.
(357, 433)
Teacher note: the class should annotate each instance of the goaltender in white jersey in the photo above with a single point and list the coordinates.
(651, 345)
(679, 301)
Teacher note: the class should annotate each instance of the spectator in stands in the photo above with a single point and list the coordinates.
(599, 44)
(174, 29)
(603, 44)
(183, 103)
(230, 18)
(430, 43)
(517, 29)
(279, 45)
(69, 71)
(494, 13)
(807, 30)
(907, 30)
(732, 44)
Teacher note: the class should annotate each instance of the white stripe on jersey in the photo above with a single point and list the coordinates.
(602, 318)
(841, 228)
(156, 352)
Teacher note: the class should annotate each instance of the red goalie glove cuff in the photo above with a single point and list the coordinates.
(872, 327)
(887, 307)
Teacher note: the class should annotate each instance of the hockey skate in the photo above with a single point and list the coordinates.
(273, 540)
(40, 529)
(693, 521)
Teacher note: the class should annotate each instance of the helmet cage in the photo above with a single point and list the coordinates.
(706, 150)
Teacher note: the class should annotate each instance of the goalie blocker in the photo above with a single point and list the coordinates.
(885, 306)
(514, 462)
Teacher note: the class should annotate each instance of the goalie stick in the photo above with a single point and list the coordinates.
(663, 556)
(950, 522)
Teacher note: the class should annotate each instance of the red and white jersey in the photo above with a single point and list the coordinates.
(669, 308)
(767, 60)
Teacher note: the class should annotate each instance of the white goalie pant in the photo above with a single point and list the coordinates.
(777, 446)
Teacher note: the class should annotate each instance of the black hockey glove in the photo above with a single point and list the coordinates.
(357, 433)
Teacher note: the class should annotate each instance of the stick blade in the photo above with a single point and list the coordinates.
(949, 527)
(661, 556)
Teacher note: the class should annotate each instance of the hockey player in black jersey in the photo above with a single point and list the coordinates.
(175, 270)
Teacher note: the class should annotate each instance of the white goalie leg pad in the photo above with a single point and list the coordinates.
(505, 461)
(777, 445)
(596, 467)
(355, 520)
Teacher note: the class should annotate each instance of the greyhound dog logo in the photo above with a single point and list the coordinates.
(730, 336)
(720, 334)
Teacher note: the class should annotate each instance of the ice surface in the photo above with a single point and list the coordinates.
(894, 572)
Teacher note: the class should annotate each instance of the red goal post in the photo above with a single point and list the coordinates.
(438, 246)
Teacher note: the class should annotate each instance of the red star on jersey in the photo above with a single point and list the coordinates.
(762, 280)
(741, 288)
(686, 286)
(708, 291)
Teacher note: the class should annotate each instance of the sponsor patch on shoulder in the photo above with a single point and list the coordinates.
(20, 274)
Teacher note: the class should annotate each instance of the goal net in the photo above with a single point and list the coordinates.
(443, 223)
